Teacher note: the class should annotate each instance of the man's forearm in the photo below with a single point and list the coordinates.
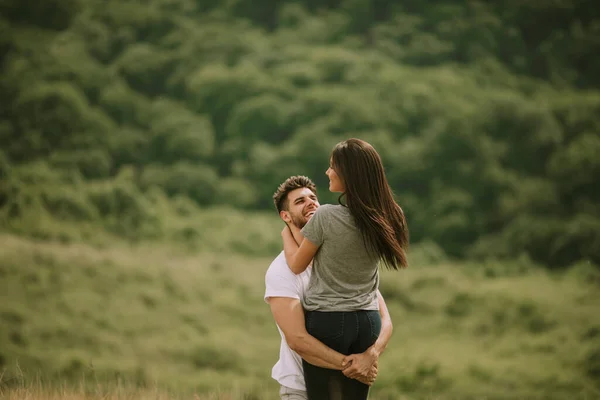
(316, 353)
(319, 362)
(289, 316)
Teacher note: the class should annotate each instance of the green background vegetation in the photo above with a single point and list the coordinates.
(154, 316)
(141, 141)
(487, 117)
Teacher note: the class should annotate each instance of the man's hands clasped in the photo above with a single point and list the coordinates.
(362, 367)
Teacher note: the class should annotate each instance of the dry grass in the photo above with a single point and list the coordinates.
(36, 389)
(71, 394)
(100, 394)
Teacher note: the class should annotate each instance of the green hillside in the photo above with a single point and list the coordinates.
(141, 142)
(153, 316)
(488, 123)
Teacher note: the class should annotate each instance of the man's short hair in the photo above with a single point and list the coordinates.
(291, 183)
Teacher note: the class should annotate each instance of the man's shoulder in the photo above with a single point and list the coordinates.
(280, 281)
(279, 268)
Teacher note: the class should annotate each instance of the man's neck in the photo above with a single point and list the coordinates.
(297, 234)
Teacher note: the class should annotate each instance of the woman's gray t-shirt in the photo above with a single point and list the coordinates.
(345, 276)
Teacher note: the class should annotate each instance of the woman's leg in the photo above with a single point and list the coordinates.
(323, 383)
(348, 333)
(368, 325)
(331, 328)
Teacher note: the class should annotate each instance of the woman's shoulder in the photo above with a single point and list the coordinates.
(326, 210)
(331, 208)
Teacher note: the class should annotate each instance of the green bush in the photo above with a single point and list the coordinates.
(178, 134)
(124, 209)
(125, 106)
(69, 204)
(92, 164)
(237, 193)
(198, 182)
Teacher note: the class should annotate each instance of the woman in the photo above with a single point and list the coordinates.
(346, 243)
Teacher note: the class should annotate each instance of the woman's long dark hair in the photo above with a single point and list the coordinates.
(371, 201)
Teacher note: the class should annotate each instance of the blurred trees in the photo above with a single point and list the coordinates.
(488, 123)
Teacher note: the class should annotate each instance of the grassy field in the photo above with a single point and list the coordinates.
(165, 322)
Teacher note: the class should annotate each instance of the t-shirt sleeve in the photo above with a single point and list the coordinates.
(281, 284)
(314, 228)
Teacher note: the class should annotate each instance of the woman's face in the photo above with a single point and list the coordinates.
(335, 183)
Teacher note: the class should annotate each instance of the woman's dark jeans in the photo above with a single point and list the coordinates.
(348, 333)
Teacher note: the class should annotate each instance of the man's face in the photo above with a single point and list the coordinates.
(302, 204)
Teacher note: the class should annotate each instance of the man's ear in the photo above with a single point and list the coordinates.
(285, 216)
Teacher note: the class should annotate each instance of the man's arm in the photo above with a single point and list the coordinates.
(361, 364)
(289, 315)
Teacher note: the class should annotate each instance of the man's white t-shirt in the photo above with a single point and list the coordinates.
(280, 281)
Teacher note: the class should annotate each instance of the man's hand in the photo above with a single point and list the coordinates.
(360, 365)
(371, 376)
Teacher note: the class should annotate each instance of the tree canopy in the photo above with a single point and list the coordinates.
(487, 116)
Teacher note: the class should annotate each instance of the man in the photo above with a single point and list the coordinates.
(296, 201)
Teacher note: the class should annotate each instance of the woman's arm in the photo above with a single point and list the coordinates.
(297, 257)
(386, 326)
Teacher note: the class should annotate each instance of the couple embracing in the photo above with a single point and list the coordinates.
(323, 288)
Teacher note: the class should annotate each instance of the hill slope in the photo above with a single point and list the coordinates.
(154, 315)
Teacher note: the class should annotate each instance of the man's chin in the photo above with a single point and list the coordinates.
(300, 224)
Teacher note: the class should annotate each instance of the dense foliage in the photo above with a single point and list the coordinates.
(487, 116)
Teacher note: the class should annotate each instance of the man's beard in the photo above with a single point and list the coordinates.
(298, 220)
